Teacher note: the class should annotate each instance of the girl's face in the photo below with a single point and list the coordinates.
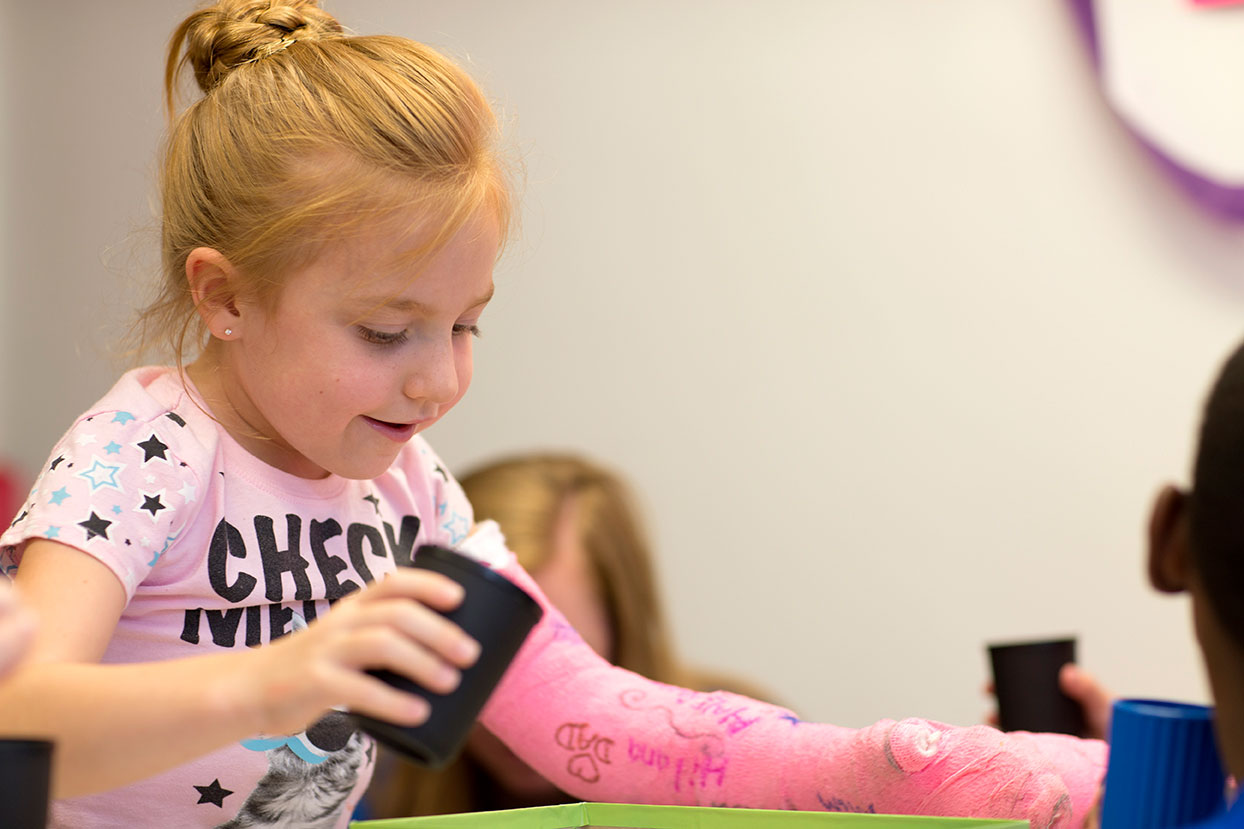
(360, 351)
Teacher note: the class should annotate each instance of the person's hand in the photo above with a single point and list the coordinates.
(1093, 697)
(1095, 701)
(391, 624)
(17, 628)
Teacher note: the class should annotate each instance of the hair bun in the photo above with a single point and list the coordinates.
(230, 33)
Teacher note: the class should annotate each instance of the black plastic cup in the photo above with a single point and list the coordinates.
(25, 783)
(496, 613)
(1025, 678)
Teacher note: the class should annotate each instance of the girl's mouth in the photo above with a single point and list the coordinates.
(400, 432)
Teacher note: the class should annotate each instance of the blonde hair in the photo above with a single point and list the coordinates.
(303, 136)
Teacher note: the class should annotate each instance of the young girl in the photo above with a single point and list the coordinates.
(332, 207)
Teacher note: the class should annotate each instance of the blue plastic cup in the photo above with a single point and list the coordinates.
(1164, 767)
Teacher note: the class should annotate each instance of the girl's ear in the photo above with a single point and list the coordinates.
(1170, 559)
(214, 284)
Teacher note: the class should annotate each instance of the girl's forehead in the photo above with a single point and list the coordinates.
(404, 269)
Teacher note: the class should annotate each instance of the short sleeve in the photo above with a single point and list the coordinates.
(118, 487)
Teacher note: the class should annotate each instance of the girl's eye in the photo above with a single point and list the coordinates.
(375, 337)
(460, 330)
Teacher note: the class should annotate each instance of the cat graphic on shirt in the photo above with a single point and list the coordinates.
(298, 794)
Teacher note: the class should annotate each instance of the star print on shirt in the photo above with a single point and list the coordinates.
(176, 418)
(153, 448)
(56, 462)
(95, 526)
(112, 448)
(440, 470)
(214, 794)
(122, 418)
(102, 474)
(59, 496)
(457, 528)
(151, 503)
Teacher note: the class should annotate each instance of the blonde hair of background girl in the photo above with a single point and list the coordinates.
(306, 136)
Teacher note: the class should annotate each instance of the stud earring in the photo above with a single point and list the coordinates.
(228, 332)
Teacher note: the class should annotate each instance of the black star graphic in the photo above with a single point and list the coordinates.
(214, 794)
(57, 462)
(95, 526)
(375, 502)
(153, 448)
(176, 418)
(152, 504)
(20, 518)
(441, 471)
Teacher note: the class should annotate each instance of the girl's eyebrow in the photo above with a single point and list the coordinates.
(406, 304)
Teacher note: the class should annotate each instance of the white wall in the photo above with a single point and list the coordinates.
(895, 328)
(7, 162)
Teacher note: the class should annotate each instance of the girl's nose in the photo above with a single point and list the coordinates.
(434, 374)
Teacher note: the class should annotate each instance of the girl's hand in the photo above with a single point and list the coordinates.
(17, 628)
(391, 624)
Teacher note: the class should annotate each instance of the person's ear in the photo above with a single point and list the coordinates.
(214, 285)
(1170, 558)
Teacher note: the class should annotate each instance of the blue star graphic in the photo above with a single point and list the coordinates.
(59, 496)
(53, 532)
(101, 474)
(116, 509)
(122, 418)
(113, 448)
(456, 527)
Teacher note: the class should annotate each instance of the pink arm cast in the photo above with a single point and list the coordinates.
(602, 733)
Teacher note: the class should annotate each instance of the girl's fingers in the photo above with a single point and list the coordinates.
(378, 648)
(433, 589)
(413, 621)
(368, 695)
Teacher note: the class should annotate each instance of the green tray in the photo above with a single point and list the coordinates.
(630, 816)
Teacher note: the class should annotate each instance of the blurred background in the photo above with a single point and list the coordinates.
(890, 321)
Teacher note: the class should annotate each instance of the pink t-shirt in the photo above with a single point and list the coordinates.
(217, 549)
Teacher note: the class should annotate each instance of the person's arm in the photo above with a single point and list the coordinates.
(114, 724)
(602, 733)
